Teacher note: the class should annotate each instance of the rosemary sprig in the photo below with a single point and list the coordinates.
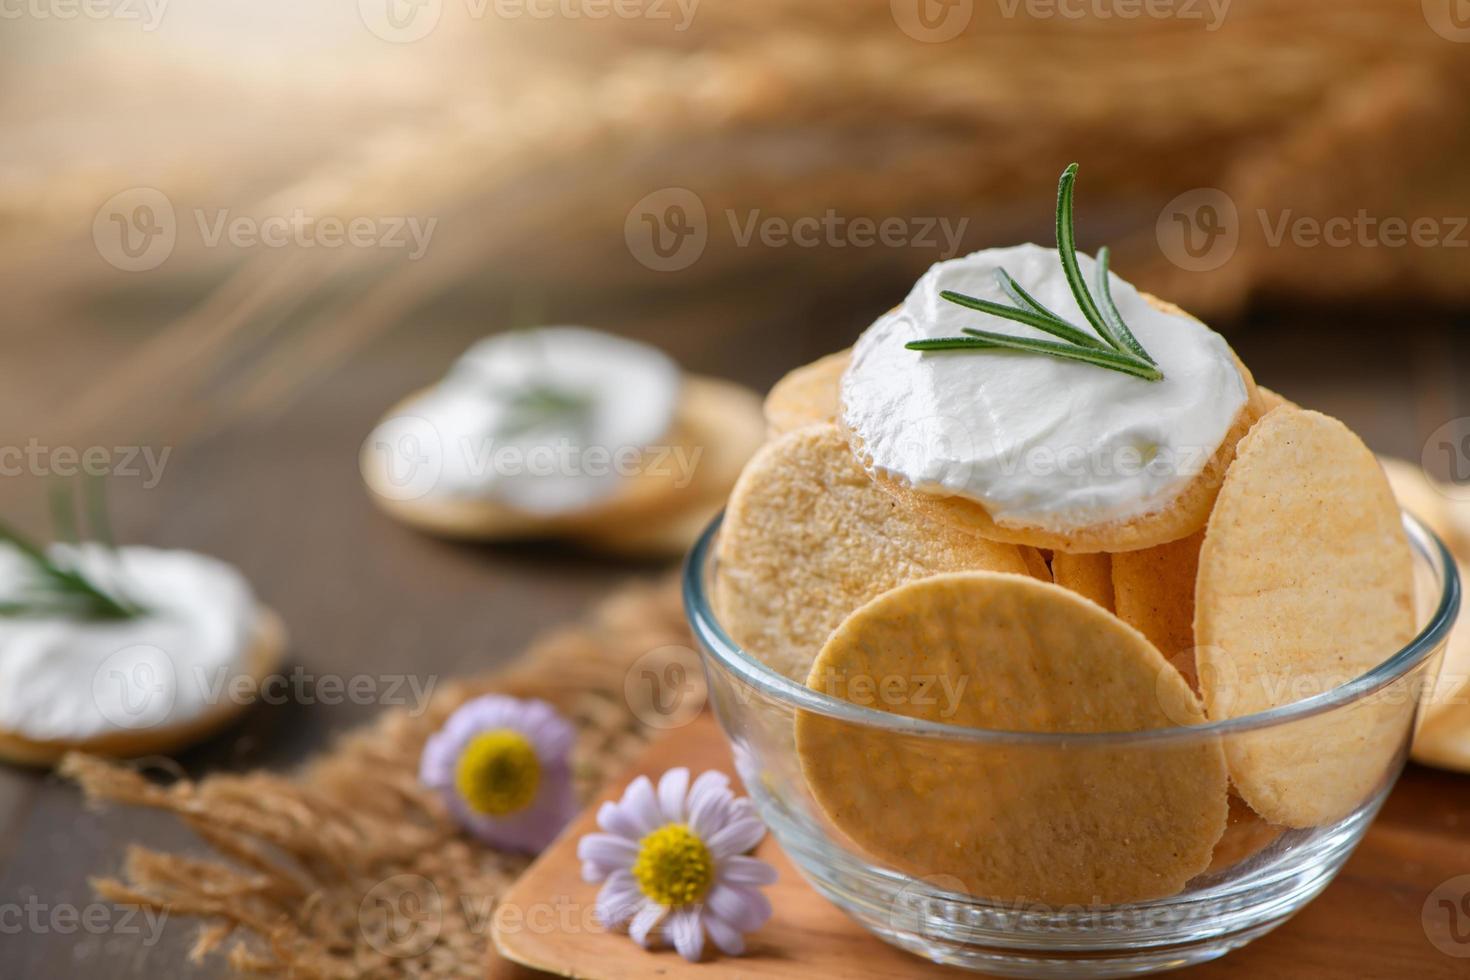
(984, 340)
(61, 589)
(543, 406)
(1118, 350)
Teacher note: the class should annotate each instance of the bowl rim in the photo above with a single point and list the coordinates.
(715, 642)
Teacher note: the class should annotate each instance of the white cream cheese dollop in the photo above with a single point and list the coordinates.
(1035, 439)
(67, 679)
(471, 447)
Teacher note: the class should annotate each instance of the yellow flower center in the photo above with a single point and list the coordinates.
(673, 867)
(498, 772)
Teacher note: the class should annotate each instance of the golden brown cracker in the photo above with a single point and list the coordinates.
(1418, 494)
(1305, 582)
(1153, 591)
(1246, 835)
(1270, 400)
(1036, 564)
(806, 395)
(721, 428)
(1051, 822)
(808, 538)
(1443, 739)
(1087, 575)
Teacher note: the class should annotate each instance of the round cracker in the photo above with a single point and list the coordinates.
(1036, 564)
(1417, 494)
(1057, 823)
(723, 424)
(808, 538)
(1305, 582)
(1153, 591)
(806, 395)
(714, 419)
(1443, 739)
(1090, 576)
(1270, 400)
(267, 648)
(1246, 835)
(1180, 517)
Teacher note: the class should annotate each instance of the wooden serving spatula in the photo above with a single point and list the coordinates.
(546, 923)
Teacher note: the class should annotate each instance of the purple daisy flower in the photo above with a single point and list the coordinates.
(674, 859)
(501, 765)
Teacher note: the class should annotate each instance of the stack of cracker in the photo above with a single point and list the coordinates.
(1281, 571)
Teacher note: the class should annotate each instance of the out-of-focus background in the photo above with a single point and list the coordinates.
(232, 235)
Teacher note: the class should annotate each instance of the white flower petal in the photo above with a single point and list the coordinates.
(641, 804)
(709, 802)
(643, 922)
(742, 807)
(743, 907)
(684, 930)
(742, 870)
(672, 788)
(607, 851)
(735, 838)
(612, 818)
(725, 936)
(618, 900)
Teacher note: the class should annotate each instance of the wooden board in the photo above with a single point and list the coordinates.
(1369, 922)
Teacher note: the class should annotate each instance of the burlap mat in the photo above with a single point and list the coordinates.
(314, 872)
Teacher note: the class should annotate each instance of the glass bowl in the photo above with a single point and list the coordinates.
(1259, 874)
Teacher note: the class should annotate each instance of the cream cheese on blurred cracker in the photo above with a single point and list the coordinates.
(547, 421)
(64, 678)
(1037, 440)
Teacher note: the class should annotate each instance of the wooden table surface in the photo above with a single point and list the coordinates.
(271, 484)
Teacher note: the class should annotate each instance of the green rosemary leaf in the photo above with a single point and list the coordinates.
(97, 511)
(1067, 252)
(1021, 298)
(65, 585)
(541, 407)
(1045, 322)
(63, 513)
(1118, 350)
(984, 340)
(1110, 309)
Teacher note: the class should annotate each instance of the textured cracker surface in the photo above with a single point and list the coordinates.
(807, 395)
(1153, 591)
(808, 538)
(1051, 824)
(1305, 582)
(1090, 576)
